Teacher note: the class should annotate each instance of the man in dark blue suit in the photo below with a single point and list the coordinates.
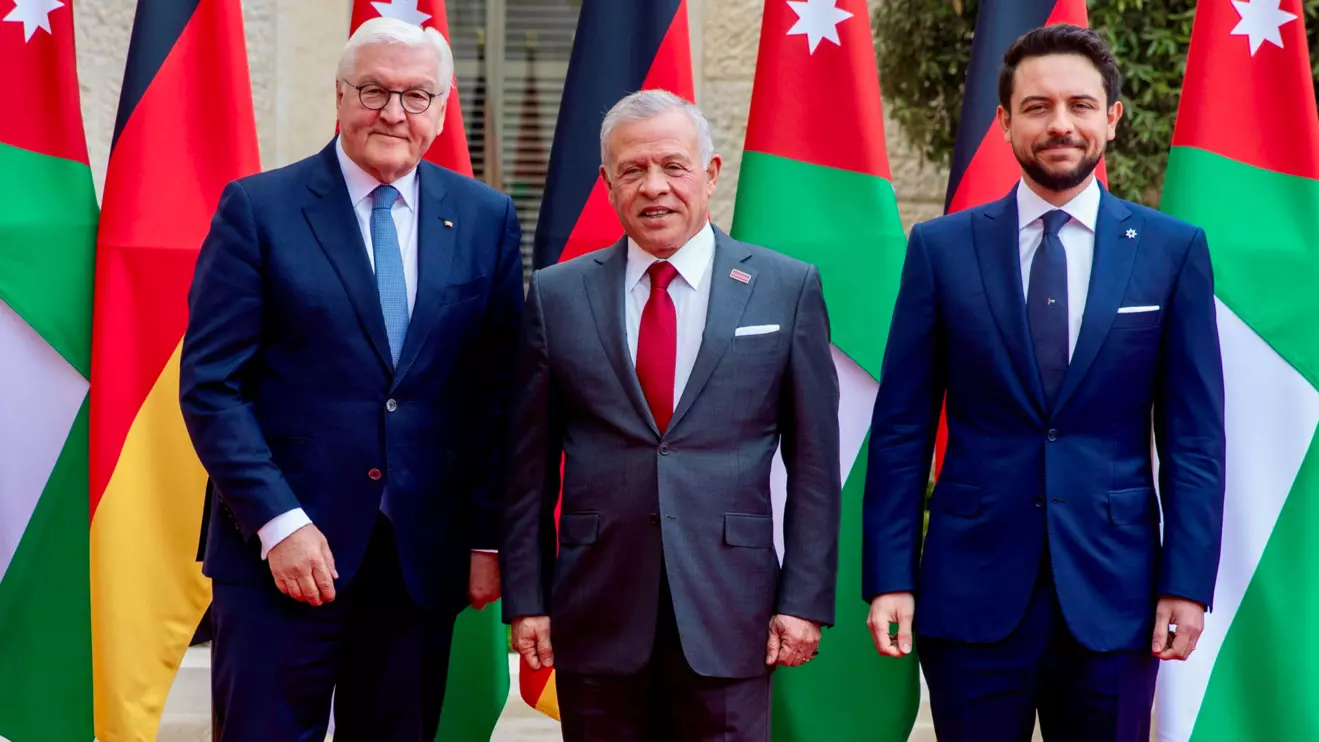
(1066, 328)
(344, 379)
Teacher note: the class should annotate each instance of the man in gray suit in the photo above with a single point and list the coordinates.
(666, 371)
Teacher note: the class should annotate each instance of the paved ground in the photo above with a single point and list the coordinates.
(187, 711)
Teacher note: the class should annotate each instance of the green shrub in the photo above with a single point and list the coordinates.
(923, 48)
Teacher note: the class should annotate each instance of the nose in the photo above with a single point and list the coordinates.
(1060, 123)
(393, 111)
(655, 183)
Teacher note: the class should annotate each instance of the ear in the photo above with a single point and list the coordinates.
(609, 188)
(1004, 123)
(1114, 114)
(712, 172)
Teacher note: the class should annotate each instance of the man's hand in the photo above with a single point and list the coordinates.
(483, 582)
(897, 608)
(303, 566)
(792, 641)
(1189, 618)
(531, 639)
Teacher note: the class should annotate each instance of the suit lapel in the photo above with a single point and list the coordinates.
(997, 246)
(604, 291)
(335, 225)
(1115, 254)
(727, 300)
(436, 253)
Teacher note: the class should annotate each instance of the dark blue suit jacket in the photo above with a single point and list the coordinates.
(1018, 478)
(286, 375)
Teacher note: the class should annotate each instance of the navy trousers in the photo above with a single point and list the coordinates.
(276, 662)
(992, 692)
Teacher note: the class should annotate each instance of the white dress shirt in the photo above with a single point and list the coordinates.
(690, 292)
(360, 186)
(1078, 238)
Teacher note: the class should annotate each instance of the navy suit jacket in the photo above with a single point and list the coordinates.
(290, 394)
(1018, 478)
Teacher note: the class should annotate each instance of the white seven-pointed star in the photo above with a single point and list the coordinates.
(404, 10)
(1261, 21)
(33, 14)
(818, 19)
(1131, 234)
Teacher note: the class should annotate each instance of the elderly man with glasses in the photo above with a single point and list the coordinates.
(344, 378)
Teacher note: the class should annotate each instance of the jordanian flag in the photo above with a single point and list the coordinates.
(47, 252)
(621, 46)
(185, 128)
(1245, 167)
(815, 184)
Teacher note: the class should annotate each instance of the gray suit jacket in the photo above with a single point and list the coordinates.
(696, 499)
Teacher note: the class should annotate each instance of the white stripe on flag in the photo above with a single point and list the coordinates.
(40, 394)
(1271, 415)
(856, 402)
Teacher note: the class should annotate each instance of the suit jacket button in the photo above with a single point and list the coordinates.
(654, 519)
(1039, 502)
(664, 449)
(1053, 435)
(375, 474)
(391, 405)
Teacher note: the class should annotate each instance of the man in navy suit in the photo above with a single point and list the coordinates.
(1066, 327)
(344, 379)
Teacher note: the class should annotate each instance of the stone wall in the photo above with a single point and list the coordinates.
(293, 45)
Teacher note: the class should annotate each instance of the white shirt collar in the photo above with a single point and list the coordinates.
(1084, 207)
(692, 259)
(361, 183)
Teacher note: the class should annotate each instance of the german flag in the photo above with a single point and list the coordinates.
(619, 48)
(983, 166)
(185, 128)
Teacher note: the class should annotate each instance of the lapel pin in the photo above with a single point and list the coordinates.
(1131, 234)
(448, 224)
(738, 275)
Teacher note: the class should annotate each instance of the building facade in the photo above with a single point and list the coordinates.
(510, 58)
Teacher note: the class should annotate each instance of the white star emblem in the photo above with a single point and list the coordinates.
(1261, 21)
(818, 19)
(33, 14)
(404, 10)
(1131, 234)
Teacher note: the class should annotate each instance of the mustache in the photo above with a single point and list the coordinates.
(1059, 142)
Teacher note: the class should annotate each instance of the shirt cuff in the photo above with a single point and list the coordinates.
(281, 527)
(487, 551)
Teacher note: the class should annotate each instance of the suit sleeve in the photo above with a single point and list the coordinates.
(222, 338)
(808, 581)
(902, 431)
(528, 539)
(1190, 432)
(495, 358)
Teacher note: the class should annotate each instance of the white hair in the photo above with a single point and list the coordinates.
(647, 104)
(383, 30)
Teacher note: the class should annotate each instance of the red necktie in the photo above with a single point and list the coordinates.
(657, 344)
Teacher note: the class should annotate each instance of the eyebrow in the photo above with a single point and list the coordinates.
(1044, 99)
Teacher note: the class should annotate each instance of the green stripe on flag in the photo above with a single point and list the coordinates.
(48, 216)
(1263, 230)
(845, 223)
(477, 686)
(1265, 681)
(848, 673)
(45, 610)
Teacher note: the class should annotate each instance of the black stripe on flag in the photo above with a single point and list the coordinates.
(156, 28)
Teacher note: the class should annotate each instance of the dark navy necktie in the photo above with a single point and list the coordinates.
(1046, 306)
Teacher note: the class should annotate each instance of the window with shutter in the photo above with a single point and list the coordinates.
(511, 58)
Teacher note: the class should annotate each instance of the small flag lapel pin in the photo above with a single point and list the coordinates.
(448, 224)
(738, 275)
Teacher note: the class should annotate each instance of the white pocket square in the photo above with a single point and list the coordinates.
(1133, 310)
(755, 330)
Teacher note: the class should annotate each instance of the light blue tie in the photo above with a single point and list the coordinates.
(389, 269)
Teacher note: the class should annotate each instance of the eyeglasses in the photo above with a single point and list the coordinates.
(376, 97)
